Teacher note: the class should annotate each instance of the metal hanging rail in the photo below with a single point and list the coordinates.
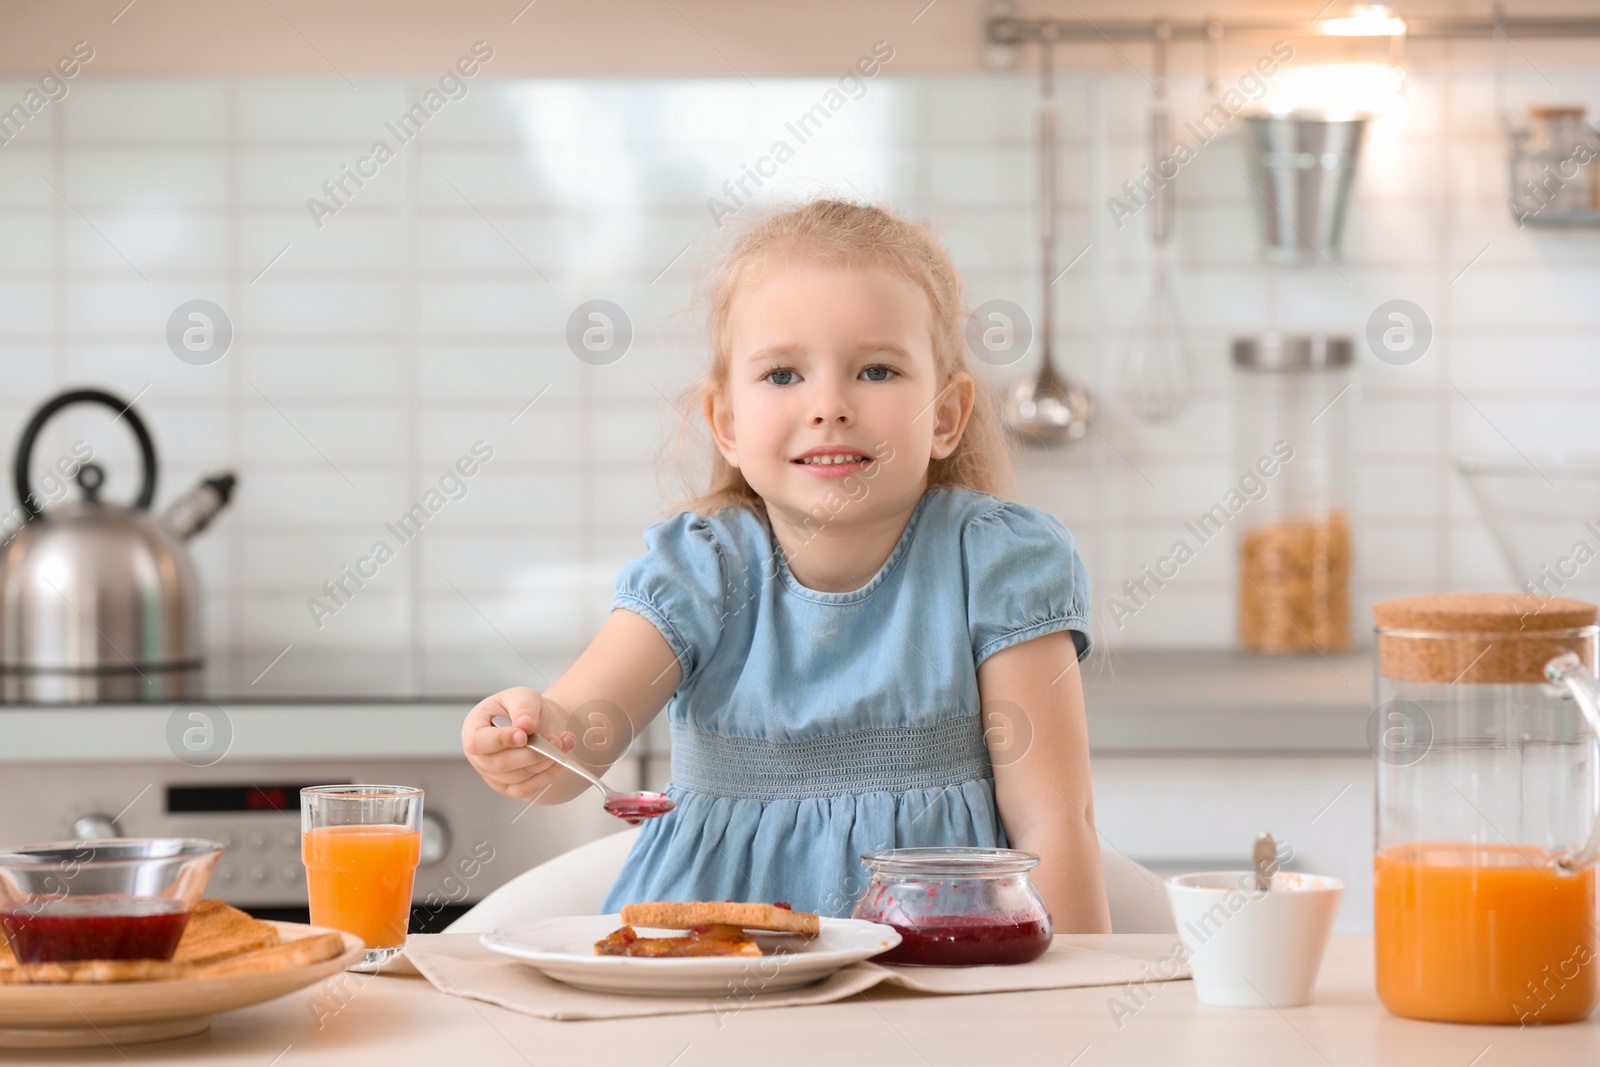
(1006, 29)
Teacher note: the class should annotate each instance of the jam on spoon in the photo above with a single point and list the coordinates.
(634, 807)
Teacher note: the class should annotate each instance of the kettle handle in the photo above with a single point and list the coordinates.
(147, 449)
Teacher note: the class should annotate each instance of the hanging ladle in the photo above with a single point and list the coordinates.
(1051, 408)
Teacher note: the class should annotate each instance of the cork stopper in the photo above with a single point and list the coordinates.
(1480, 638)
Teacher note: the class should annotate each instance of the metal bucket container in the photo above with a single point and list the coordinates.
(1302, 165)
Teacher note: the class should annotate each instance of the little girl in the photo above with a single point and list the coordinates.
(859, 644)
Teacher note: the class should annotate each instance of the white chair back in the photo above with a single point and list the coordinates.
(576, 883)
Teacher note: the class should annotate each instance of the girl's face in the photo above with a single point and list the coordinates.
(829, 358)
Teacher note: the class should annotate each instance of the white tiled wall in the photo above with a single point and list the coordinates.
(428, 313)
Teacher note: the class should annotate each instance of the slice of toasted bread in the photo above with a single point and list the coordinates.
(77, 971)
(279, 957)
(670, 915)
(217, 932)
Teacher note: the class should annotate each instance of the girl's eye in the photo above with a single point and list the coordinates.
(780, 376)
(878, 373)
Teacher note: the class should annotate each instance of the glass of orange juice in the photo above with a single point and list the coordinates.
(361, 844)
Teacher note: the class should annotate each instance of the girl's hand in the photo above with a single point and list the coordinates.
(500, 754)
(628, 665)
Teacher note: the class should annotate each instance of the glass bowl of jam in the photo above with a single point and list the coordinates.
(112, 899)
(956, 907)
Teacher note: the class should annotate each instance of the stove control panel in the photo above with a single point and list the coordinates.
(255, 861)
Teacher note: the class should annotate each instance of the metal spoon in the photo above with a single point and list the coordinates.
(634, 807)
(1265, 861)
(1051, 408)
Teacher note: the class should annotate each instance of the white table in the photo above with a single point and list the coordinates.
(390, 1021)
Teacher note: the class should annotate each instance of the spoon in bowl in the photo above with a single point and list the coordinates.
(1264, 862)
(634, 807)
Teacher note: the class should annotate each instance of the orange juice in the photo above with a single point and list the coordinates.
(1483, 934)
(359, 879)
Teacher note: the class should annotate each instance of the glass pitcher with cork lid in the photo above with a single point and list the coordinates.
(1487, 736)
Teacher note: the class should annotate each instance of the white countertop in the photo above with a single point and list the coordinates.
(137, 733)
(394, 1021)
(1146, 701)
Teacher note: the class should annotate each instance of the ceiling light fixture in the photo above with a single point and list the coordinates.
(1365, 20)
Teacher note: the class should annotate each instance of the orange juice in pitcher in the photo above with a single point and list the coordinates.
(1483, 933)
(1487, 734)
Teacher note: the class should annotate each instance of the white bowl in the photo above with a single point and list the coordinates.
(1253, 949)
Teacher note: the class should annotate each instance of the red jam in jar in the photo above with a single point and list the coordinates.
(956, 907)
(952, 941)
(100, 927)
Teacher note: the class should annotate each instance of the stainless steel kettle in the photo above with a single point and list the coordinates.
(98, 601)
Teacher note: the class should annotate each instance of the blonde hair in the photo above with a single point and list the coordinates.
(836, 233)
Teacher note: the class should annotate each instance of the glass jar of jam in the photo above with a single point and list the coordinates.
(956, 907)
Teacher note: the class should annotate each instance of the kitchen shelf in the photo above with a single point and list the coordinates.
(1559, 220)
(1003, 28)
(1554, 220)
(1179, 702)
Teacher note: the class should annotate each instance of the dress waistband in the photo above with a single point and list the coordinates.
(897, 759)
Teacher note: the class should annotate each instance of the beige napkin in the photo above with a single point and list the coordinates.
(459, 965)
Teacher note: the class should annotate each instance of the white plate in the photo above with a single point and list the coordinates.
(563, 949)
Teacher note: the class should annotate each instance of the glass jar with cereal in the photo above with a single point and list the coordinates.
(1292, 405)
